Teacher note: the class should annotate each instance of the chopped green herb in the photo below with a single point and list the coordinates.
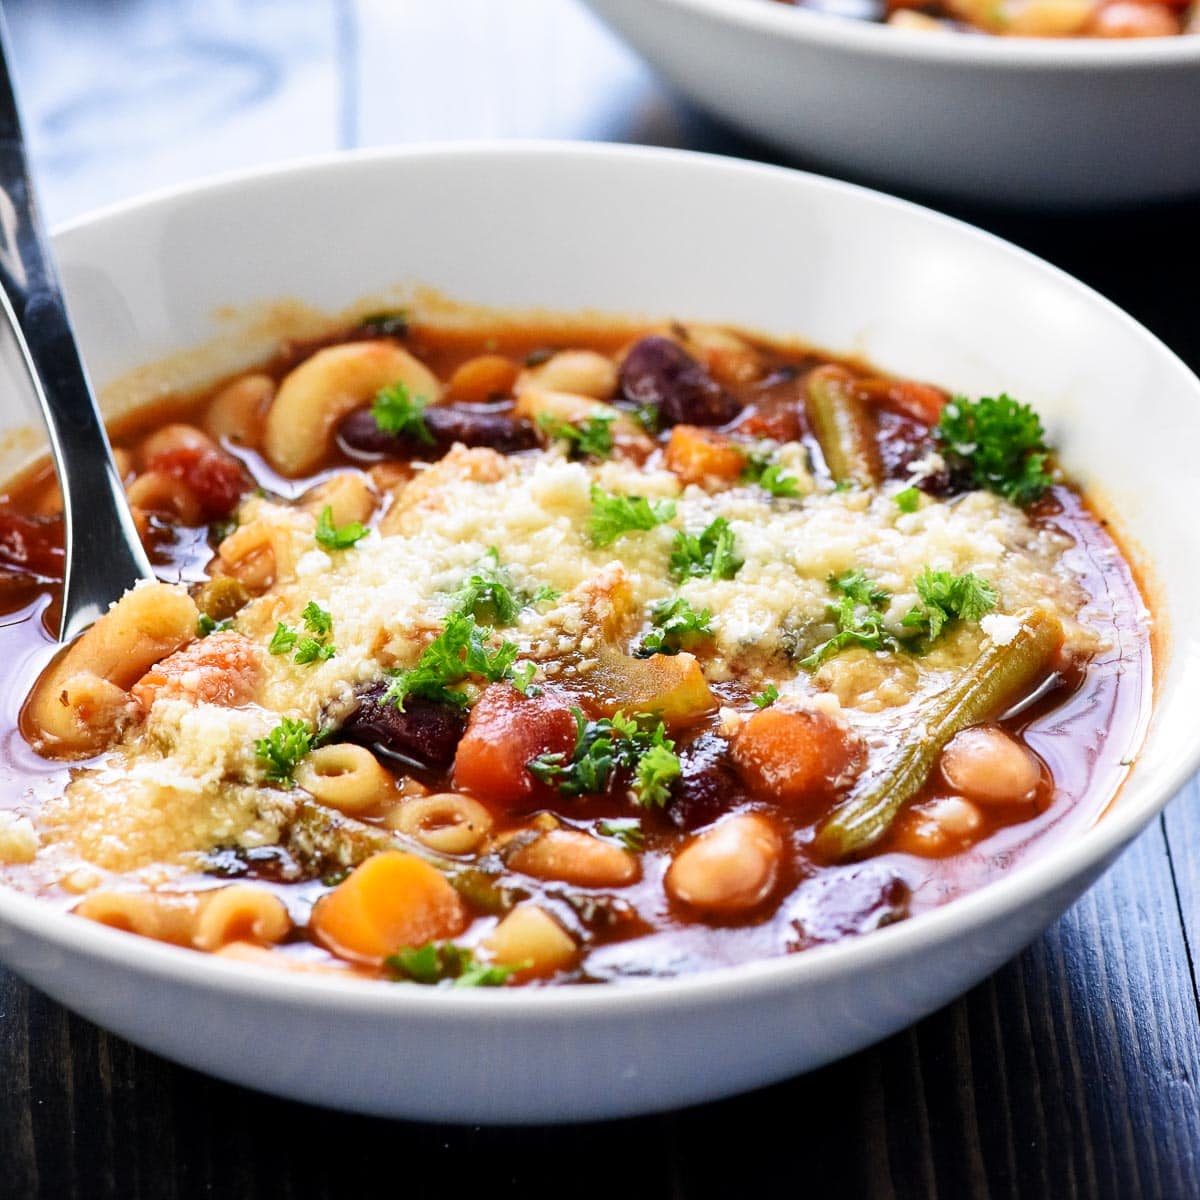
(609, 744)
(613, 516)
(657, 769)
(945, 598)
(386, 324)
(770, 477)
(206, 625)
(316, 619)
(282, 640)
(591, 438)
(857, 616)
(522, 679)
(844, 485)
(337, 537)
(708, 555)
(309, 649)
(999, 443)
(908, 500)
(627, 830)
(446, 964)
(397, 412)
(488, 595)
(676, 626)
(457, 653)
(766, 697)
(283, 748)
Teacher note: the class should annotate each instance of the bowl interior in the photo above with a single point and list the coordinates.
(656, 233)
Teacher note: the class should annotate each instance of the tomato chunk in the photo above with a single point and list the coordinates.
(505, 732)
(216, 478)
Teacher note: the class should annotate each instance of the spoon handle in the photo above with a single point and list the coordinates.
(104, 555)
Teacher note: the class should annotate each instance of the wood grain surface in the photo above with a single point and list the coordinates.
(1070, 1073)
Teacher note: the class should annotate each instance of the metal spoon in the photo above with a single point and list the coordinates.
(104, 554)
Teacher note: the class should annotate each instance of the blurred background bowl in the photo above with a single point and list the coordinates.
(1046, 122)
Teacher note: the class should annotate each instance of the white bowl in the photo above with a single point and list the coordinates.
(1083, 121)
(569, 227)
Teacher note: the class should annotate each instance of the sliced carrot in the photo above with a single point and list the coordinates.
(390, 902)
(222, 669)
(794, 756)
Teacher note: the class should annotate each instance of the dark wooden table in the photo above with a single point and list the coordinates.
(1071, 1072)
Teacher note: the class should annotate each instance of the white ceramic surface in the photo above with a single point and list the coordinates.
(1008, 120)
(655, 232)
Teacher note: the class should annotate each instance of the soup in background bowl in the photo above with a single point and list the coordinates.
(665, 522)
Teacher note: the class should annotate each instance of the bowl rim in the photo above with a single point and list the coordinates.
(1068, 861)
(934, 46)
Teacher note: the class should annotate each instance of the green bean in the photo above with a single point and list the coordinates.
(843, 426)
(999, 677)
(319, 835)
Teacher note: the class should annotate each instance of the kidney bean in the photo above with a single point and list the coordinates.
(447, 424)
(846, 902)
(707, 785)
(659, 372)
(425, 733)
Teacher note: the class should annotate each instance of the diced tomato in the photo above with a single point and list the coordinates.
(505, 732)
(216, 477)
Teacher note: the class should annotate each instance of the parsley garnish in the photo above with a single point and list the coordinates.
(282, 640)
(397, 412)
(607, 745)
(627, 830)
(206, 625)
(676, 625)
(488, 593)
(316, 648)
(709, 555)
(657, 769)
(766, 697)
(591, 438)
(613, 516)
(522, 679)
(998, 443)
(446, 964)
(316, 619)
(337, 537)
(458, 652)
(946, 598)
(770, 477)
(283, 748)
(908, 500)
(857, 617)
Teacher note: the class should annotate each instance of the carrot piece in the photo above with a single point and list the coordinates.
(222, 669)
(795, 756)
(696, 455)
(392, 901)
